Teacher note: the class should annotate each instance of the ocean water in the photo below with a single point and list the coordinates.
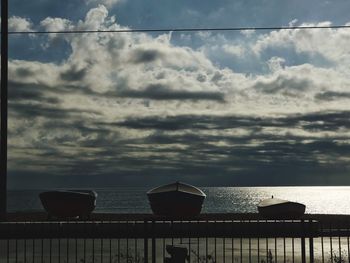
(325, 200)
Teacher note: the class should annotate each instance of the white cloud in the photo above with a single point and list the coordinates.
(21, 24)
(112, 63)
(332, 44)
(56, 24)
(248, 33)
(95, 18)
(293, 23)
(236, 50)
(276, 63)
(108, 3)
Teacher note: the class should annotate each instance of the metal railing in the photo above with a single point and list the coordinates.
(146, 238)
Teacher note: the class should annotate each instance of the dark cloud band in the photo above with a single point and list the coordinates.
(162, 92)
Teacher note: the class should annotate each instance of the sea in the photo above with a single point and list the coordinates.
(318, 200)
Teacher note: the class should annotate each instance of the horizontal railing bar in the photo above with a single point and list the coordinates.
(35, 225)
(42, 216)
(158, 229)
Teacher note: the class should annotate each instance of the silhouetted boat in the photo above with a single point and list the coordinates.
(69, 203)
(274, 208)
(176, 199)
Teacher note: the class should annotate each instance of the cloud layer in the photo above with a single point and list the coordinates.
(122, 106)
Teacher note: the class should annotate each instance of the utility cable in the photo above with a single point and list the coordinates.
(178, 30)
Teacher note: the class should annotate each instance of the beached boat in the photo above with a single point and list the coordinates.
(176, 199)
(274, 208)
(69, 203)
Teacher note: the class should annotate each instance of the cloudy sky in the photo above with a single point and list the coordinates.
(208, 108)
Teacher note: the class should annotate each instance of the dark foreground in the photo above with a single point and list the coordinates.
(30, 237)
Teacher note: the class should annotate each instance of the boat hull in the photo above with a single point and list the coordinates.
(176, 204)
(68, 204)
(287, 210)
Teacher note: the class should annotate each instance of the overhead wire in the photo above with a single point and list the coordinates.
(155, 30)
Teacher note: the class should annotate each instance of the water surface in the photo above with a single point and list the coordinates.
(326, 200)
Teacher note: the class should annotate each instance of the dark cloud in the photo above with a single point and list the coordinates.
(91, 151)
(201, 160)
(33, 111)
(41, 93)
(24, 72)
(322, 121)
(332, 95)
(145, 55)
(282, 84)
(202, 122)
(163, 92)
(74, 74)
(253, 158)
(28, 110)
(30, 92)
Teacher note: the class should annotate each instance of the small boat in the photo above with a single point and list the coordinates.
(69, 203)
(176, 199)
(274, 208)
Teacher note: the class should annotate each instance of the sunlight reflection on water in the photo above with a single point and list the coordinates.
(323, 200)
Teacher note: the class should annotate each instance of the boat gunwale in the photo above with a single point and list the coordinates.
(282, 202)
(200, 192)
(91, 193)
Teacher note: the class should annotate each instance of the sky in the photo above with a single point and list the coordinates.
(242, 108)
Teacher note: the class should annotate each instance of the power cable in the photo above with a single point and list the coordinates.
(178, 30)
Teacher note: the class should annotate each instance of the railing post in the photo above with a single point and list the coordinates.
(311, 241)
(154, 256)
(303, 252)
(145, 242)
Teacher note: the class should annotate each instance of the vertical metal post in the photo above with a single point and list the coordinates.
(189, 223)
(284, 244)
(250, 248)
(311, 243)
(293, 256)
(135, 246)
(145, 242)
(215, 258)
(339, 244)
(198, 250)
(303, 254)
(154, 256)
(3, 102)
(240, 245)
(232, 243)
(42, 245)
(347, 241)
(206, 243)
(223, 246)
(303, 249)
(322, 246)
(330, 240)
(258, 241)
